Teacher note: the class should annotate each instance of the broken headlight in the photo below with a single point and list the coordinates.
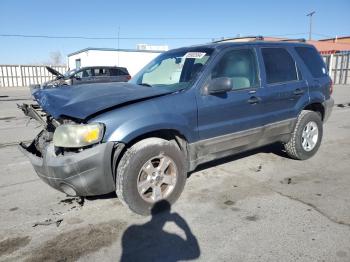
(75, 136)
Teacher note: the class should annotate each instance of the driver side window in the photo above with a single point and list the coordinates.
(241, 66)
(84, 73)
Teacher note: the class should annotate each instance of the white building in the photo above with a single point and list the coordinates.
(133, 59)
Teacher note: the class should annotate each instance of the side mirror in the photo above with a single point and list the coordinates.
(77, 77)
(219, 85)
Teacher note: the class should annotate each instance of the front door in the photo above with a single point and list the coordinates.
(84, 76)
(235, 118)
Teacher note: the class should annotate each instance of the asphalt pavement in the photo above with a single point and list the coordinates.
(256, 206)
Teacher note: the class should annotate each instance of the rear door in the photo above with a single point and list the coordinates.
(285, 89)
(231, 119)
(101, 75)
(319, 81)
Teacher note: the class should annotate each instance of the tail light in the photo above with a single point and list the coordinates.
(331, 87)
(128, 77)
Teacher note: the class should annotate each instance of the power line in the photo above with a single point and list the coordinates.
(117, 38)
(120, 38)
(101, 38)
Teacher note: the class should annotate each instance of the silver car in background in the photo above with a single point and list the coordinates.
(85, 75)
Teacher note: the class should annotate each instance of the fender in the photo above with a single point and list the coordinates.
(139, 126)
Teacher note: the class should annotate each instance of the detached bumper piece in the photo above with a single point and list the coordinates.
(84, 173)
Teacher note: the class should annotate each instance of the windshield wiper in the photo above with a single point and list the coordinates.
(145, 84)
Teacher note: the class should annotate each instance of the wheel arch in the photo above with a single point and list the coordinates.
(167, 134)
(316, 107)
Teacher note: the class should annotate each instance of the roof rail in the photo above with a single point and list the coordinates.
(241, 39)
(294, 40)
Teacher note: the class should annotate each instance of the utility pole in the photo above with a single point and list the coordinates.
(310, 26)
(118, 38)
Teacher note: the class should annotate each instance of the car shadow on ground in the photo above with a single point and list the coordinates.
(149, 241)
(105, 196)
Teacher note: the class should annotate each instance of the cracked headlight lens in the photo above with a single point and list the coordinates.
(74, 136)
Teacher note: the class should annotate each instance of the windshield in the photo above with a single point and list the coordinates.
(70, 72)
(173, 70)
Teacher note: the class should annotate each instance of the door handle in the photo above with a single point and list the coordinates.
(298, 92)
(254, 100)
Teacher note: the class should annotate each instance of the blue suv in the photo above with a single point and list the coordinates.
(188, 106)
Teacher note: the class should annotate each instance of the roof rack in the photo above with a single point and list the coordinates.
(241, 39)
(303, 40)
(256, 38)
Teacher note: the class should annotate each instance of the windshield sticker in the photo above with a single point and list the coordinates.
(195, 55)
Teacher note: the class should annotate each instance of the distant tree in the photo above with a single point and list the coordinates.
(56, 58)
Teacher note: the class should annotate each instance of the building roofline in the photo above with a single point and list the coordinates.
(333, 38)
(114, 49)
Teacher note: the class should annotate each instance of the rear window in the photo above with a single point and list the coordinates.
(279, 65)
(118, 71)
(312, 60)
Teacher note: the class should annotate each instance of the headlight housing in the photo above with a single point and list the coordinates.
(75, 136)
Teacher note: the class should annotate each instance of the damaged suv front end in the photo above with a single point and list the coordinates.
(70, 157)
(71, 153)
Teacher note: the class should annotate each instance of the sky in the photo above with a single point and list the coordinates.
(193, 21)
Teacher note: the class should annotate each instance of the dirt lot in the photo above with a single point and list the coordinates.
(257, 206)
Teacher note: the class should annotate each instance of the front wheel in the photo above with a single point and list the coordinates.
(306, 137)
(151, 170)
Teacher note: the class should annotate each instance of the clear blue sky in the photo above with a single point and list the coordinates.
(176, 18)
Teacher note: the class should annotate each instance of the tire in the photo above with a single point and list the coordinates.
(131, 170)
(294, 147)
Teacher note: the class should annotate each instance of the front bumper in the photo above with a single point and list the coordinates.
(85, 173)
(328, 107)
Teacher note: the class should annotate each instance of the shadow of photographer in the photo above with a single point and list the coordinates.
(149, 242)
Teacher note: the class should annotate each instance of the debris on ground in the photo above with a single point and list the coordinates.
(343, 105)
(7, 118)
(48, 222)
(58, 222)
(71, 200)
(259, 168)
(287, 181)
(229, 202)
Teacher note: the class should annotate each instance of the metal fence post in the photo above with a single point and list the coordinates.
(20, 74)
(330, 67)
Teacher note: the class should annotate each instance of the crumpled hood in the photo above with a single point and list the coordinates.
(82, 101)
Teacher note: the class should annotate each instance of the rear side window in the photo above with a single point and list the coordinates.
(113, 72)
(100, 71)
(279, 65)
(312, 60)
(118, 71)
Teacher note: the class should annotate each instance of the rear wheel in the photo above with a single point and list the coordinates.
(307, 136)
(151, 170)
